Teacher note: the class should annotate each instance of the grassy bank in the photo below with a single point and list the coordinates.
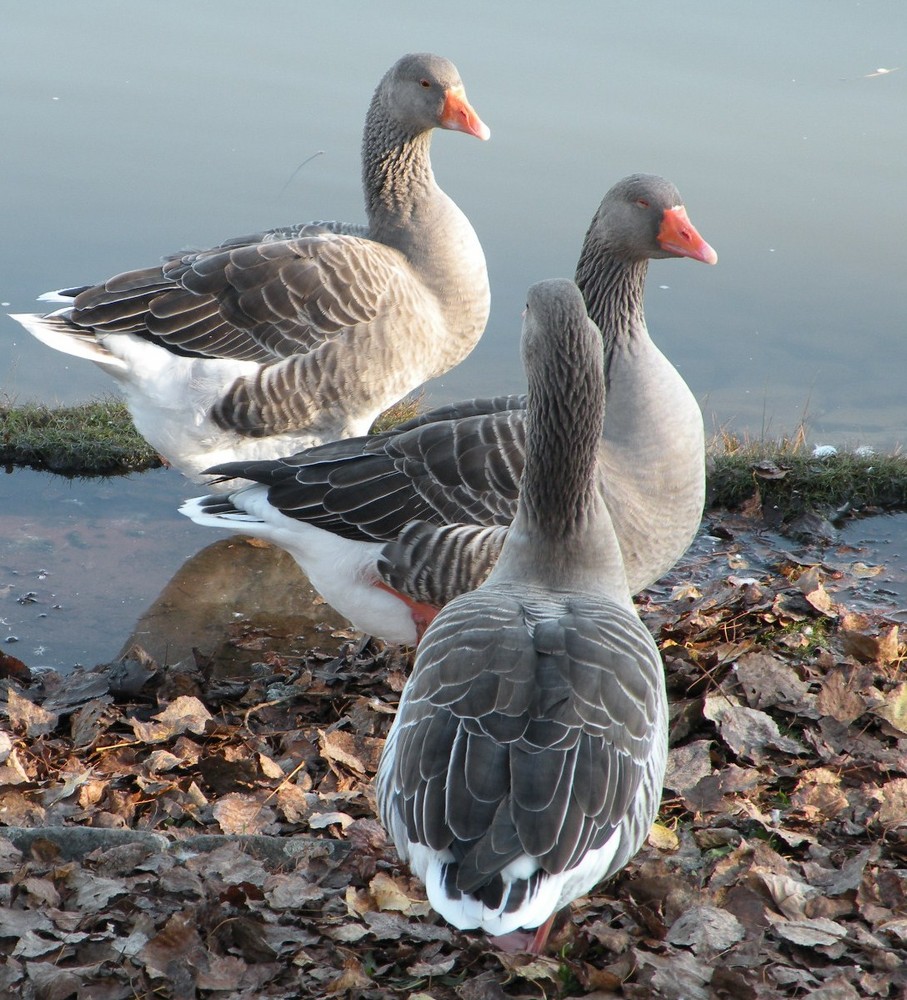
(789, 479)
(98, 438)
(92, 439)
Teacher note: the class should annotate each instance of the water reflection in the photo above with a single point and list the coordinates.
(234, 601)
(872, 552)
(82, 561)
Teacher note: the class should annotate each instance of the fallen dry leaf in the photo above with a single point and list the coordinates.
(361, 754)
(837, 698)
(237, 813)
(535, 969)
(27, 717)
(811, 933)
(662, 838)
(14, 668)
(352, 978)
(768, 681)
(688, 764)
(892, 813)
(321, 820)
(185, 714)
(706, 930)
(790, 895)
(894, 709)
(862, 571)
(747, 731)
(389, 894)
(424, 970)
(173, 945)
(883, 648)
(818, 795)
(811, 584)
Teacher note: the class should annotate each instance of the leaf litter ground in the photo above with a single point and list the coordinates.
(183, 831)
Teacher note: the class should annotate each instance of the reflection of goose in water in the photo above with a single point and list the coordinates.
(234, 580)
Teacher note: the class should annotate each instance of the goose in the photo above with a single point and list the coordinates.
(277, 341)
(359, 515)
(526, 760)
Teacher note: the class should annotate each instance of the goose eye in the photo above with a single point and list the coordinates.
(642, 203)
(424, 83)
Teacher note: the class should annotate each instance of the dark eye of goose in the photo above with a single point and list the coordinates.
(424, 83)
(642, 203)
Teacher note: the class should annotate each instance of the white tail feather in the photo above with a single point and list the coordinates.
(54, 331)
(55, 296)
(194, 509)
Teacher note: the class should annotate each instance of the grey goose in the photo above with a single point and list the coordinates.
(526, 760)
(291, 337)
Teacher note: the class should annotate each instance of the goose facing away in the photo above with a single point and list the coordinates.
(361, 516)
(291, 337)
(526, 760)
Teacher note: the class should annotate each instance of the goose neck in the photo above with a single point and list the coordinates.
(396, 171)
(613, 289)
(564, 413)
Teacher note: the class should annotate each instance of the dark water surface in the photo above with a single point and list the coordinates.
(132, 130)
(88, 567)
(81, 559)
(876, 548)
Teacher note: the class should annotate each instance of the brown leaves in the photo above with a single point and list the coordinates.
(799, 744)
(868, 648)
(839, 697)
(892, 813)
(184, 714)
(894, 709)
(13, 668)
(390, 894)
(237, 813)
(812, 585)
(175, 953)
(769, 681)
(747, 731)
(818, 795)
(205, 916)
(358, 754)
(27, 717)
(188, 836)
(706, 930)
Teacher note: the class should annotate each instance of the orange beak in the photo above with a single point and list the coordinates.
(679, 237)
(457, 114)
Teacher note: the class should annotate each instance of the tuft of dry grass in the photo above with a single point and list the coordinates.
(403, 410)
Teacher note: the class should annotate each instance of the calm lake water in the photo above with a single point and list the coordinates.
(131, 130)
